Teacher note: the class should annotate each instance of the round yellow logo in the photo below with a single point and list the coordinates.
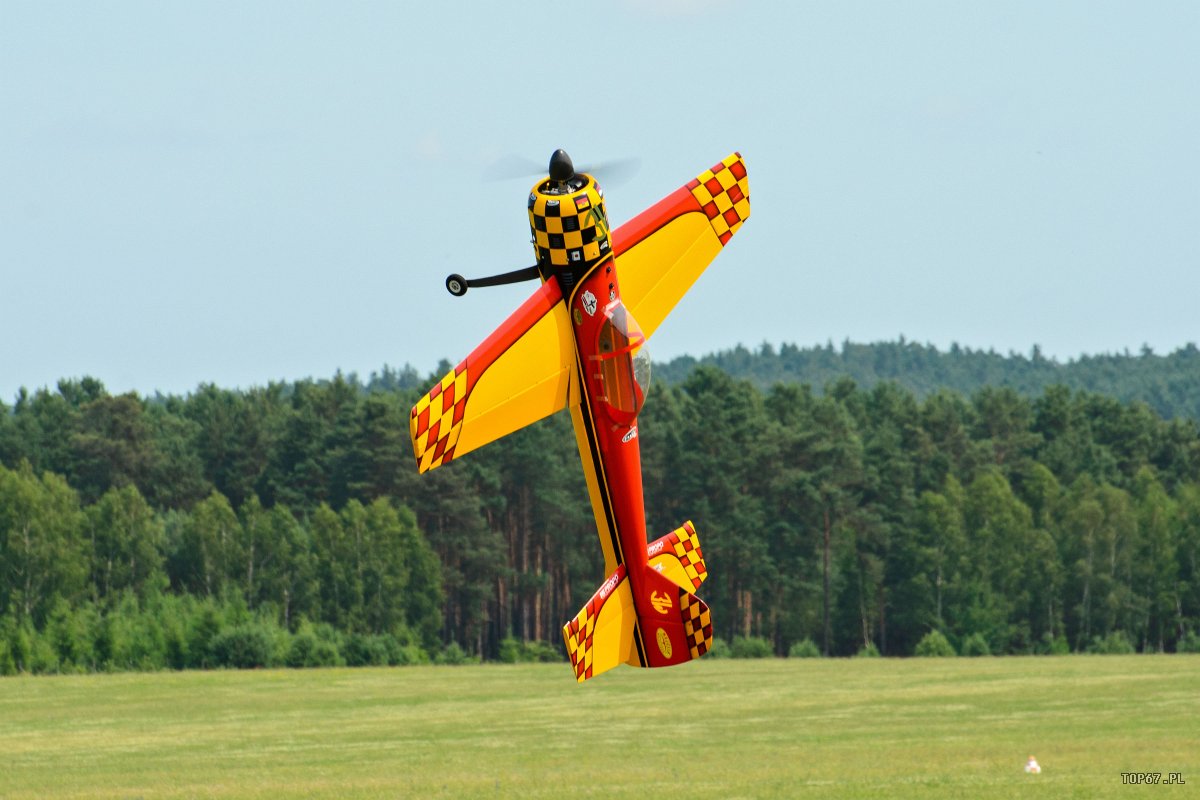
(664, 643)
(578, 315)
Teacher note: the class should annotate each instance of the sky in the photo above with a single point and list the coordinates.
(236, 193)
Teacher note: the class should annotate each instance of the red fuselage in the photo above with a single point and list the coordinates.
(606, 421)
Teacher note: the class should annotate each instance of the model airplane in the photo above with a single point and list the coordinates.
(575, 344)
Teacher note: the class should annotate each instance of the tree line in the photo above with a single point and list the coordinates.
(1169, 384)
(287, 524)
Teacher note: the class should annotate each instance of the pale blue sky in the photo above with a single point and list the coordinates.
(235, 193)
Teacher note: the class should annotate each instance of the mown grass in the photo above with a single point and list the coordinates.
(720, 729)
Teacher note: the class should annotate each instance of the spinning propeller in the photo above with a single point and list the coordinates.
(614, 171)
(561, 170)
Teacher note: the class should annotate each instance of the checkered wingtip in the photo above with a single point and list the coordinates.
(723, 192)
(436, 420)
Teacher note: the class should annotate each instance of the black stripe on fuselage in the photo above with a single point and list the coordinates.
(606, 501)
(589, 427)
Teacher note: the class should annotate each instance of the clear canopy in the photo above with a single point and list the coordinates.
(624, 363)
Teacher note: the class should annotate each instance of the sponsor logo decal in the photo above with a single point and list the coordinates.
(664, 643)
(607, 587)
(589, 302)
(654, 548)
(595, 217)
(661, 602)
(631, 435)
(578, 315)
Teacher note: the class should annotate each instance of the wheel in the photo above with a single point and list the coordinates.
(456, 285)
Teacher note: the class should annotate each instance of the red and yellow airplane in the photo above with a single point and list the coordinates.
(577, 343)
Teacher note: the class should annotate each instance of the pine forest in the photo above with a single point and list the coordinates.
(857, 508)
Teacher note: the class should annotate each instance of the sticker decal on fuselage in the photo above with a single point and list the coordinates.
(661, 602)
(664, 643)
(589, 302)
(629, 436)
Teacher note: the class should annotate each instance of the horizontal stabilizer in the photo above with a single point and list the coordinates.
(677, 555)
(601, 635)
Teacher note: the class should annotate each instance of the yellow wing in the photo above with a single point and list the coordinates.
(524, 370)
(519, 374)
(661, 252)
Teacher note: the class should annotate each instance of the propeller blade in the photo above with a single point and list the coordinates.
(510, 167)
(612, 172)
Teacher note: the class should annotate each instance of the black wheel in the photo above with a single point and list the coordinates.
(456, 285)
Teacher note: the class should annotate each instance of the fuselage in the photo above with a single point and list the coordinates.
(605, 423)
(570, 229)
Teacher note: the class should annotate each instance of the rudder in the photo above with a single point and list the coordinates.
(676, 625)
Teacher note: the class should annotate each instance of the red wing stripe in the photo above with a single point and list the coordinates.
(677, 203)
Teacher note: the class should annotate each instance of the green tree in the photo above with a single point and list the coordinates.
(1004, 425)
(113, 446)
(1187, 556)
(423, 598)
(838, 480)
(1100, 527)
(279, 569)
(334, 556)
(1154, 569)
(927, 559)
(126, 543)
(232, 436)
(1000, 535)
(382, 452)
(175, 477)
(724, 423)
(207, 551)
(42, 555)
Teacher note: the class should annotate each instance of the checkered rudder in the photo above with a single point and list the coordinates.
(697, 623)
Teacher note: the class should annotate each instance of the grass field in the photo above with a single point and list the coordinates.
(774, 728)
